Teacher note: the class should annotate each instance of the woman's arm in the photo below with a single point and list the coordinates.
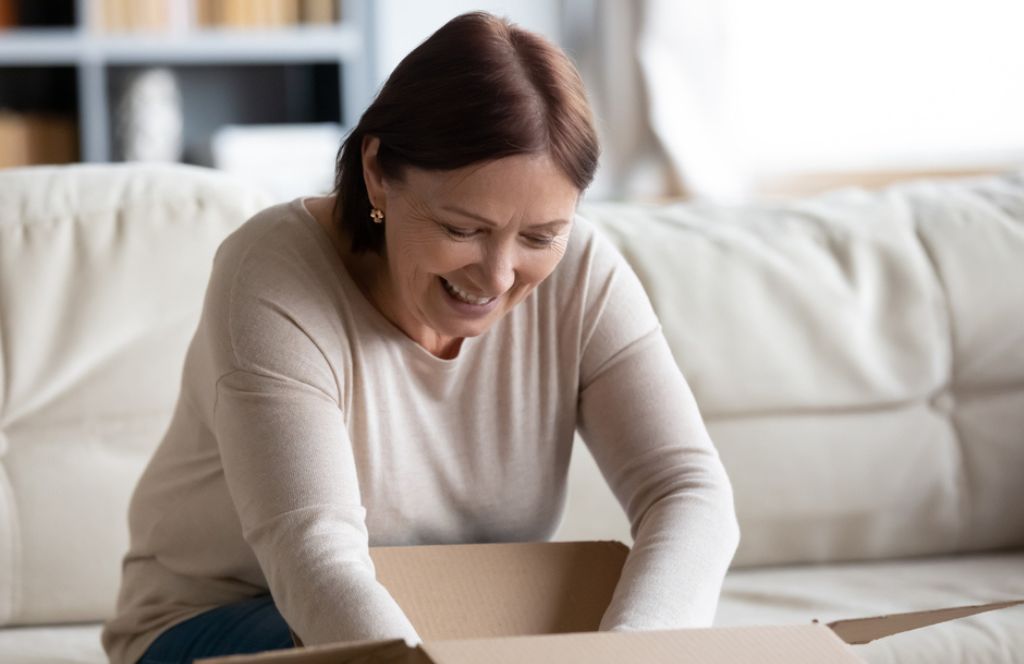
(286, 455)
(641, 422)
(291, 475)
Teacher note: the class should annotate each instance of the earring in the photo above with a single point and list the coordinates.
(377, 216)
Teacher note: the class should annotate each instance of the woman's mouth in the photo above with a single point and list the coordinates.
(463, 296)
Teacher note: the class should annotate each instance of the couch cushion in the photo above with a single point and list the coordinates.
(859, 359)
(53, 644)
(102, 271)
(799, 594)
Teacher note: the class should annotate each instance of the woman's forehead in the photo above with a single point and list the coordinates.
(494, 189)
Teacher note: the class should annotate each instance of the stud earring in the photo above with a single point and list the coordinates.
(377, 216)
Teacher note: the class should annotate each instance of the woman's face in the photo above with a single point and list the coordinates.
(465, 246)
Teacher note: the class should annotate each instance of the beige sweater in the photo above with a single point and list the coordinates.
(309, 428)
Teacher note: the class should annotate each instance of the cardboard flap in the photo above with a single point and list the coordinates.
(486, 590)
(865, 630)
(788, 644)
(394, 651)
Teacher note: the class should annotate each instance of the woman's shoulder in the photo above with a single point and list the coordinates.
(274, 261)
(265, 231)
(590, 257)
(274, 249)
(272, 294)
(595, 284)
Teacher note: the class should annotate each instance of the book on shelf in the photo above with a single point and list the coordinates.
(150, 15)
(114, 16)
(246, 13)
(107, 16)
(203, 14)
(29, 139)
(234, 13)
(135, 15)
(8, 14)
(319, 11)
(263, 13)
(275, 13)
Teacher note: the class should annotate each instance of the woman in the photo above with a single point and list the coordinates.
(405, 362)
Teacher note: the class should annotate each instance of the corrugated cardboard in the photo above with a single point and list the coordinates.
(866, 630)
(541, 603)
(495, 590)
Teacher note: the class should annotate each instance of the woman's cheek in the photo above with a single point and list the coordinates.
(551, 257)
(454, 255)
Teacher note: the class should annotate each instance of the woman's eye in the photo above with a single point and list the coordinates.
(539, 240)
(458, 232)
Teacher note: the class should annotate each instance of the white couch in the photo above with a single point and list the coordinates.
(859, 359)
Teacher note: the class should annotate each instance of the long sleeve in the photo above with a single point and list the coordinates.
(289, 467)
(641, 422)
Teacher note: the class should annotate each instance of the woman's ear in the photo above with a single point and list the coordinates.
(373, 178)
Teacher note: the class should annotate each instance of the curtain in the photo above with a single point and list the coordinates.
(603, 37)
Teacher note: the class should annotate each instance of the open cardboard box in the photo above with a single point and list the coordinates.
(542, 602)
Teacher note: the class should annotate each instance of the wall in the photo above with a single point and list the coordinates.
(403, 24)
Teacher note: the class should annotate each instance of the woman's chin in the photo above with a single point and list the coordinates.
(463, 329)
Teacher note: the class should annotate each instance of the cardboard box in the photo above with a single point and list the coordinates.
(541, 603)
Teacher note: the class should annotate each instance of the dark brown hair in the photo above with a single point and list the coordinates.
(478, 89)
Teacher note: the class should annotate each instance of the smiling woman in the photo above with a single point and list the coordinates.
(406, 362)
(464, 246)
(478, 90)
(481, 134)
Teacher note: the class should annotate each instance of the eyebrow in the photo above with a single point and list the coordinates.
(485, 220)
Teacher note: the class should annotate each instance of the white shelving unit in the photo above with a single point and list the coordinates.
(95, 54)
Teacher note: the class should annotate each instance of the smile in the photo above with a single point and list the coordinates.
(463, 296)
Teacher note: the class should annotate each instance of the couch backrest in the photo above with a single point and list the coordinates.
(102, 272)
(859, 360)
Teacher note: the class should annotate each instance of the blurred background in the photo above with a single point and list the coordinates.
(697, 99)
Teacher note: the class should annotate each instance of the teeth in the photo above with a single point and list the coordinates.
(463, 295)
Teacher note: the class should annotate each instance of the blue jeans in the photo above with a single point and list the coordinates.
(252, 625)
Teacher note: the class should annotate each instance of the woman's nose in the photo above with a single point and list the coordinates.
(497, 271)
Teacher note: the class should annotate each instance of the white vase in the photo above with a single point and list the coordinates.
(149, 117)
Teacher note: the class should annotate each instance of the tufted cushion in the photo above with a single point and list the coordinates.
(102, 270)
(859, 359)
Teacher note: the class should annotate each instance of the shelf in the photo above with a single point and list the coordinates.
(63, 46)
(228, 46)
(301, 73)
(26, 47)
